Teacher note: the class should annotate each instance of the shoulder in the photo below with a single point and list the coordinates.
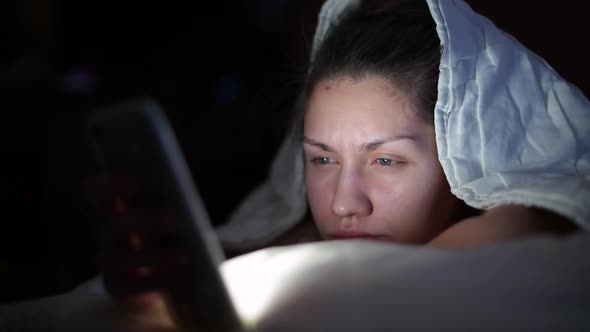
(503, 223)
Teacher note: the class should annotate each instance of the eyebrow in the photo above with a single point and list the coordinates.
(318, 144)
(369, 146)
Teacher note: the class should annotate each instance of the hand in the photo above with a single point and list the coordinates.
(101, 313)
(139, 256)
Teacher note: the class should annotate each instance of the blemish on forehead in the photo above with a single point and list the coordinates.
(327, 87)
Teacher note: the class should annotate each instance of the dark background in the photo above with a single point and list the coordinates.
(226, 73)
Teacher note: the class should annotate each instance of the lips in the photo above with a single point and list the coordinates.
(355, 236)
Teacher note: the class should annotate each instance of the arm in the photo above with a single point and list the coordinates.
(501, 224)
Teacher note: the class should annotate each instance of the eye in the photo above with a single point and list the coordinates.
(322, 161)
(386, 161)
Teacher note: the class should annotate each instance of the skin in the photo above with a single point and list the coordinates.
(372, 172)
(371, 164)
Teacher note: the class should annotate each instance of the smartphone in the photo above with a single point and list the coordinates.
(135, 140)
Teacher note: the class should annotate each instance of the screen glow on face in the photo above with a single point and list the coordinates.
(371, 164)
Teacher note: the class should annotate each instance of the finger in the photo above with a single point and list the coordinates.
(148, 312)
(138, 229)
(136, 272)
(144, 263)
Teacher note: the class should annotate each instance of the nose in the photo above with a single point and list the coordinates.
(350, 197)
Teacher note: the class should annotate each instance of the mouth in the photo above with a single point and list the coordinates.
(356, 236)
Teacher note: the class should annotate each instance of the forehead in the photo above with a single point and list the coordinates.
(369, 103)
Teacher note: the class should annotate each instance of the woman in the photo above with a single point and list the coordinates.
(383, 137)
(403, 142)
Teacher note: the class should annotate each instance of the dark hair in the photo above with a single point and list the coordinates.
(392, 39)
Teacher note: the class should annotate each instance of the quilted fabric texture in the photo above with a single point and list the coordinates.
(509, 130)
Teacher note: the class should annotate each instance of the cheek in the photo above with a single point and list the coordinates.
(319, 196)
(392, 203)
(415, 210)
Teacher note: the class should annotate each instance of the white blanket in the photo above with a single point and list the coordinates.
(509, 129)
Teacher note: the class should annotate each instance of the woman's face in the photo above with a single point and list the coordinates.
(371, 164)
